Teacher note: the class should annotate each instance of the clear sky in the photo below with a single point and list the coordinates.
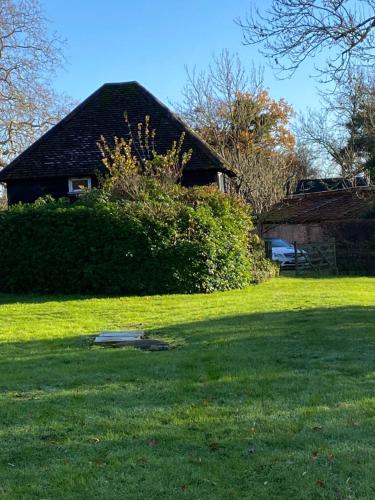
(152, 40)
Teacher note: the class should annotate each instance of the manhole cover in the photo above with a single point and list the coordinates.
(129, 339)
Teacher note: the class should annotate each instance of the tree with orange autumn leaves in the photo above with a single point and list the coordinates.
(252, 121)
(233, 112)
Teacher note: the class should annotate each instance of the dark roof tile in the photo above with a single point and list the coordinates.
(70, 147)
(346, 204)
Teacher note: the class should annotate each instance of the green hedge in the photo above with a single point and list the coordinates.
(189, 240)
(262, 269)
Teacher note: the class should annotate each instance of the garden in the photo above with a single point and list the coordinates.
(148, 348)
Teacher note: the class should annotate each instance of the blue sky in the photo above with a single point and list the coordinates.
(152, 40)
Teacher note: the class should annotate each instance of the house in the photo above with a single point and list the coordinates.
(66, 159)
(345, 215)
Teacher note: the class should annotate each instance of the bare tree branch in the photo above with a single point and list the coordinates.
(29, 57)
(343, 132)
(291, 31)
(232, 111)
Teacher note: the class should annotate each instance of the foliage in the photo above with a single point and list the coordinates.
(262, 269)
(268, 394)
(29, 56)
(176, 240)
(233, 112)
(134, 159)
(254, 121)
(291, 31)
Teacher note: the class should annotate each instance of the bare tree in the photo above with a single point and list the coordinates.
(266, 180)
(29, 56)
(291, 31)
(232, 111)
(343, 131)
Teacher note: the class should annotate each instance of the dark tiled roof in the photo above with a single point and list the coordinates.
(70, 147)
(328, 184)
(346, 204)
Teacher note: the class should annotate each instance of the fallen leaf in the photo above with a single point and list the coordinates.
(152, 443)
(320, 483)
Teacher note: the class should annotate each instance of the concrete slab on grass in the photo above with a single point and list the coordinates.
(123, 336)
(129, 339)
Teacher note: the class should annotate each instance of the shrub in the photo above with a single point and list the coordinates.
(262, 269)
(176, 240)
(132, 161)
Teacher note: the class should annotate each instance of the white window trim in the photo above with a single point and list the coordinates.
(221, 181)
(78, 191)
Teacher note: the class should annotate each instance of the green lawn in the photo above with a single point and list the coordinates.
(268, 393)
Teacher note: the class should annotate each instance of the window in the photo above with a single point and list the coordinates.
(78, 185)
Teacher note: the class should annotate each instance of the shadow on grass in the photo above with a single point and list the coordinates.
(283, 345)
(25, 298)
(251, 397)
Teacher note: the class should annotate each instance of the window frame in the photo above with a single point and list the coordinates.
(221, 182)
(75, 179)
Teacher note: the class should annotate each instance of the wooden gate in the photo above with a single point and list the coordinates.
(319, 258)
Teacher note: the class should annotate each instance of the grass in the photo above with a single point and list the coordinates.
(268, 393)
